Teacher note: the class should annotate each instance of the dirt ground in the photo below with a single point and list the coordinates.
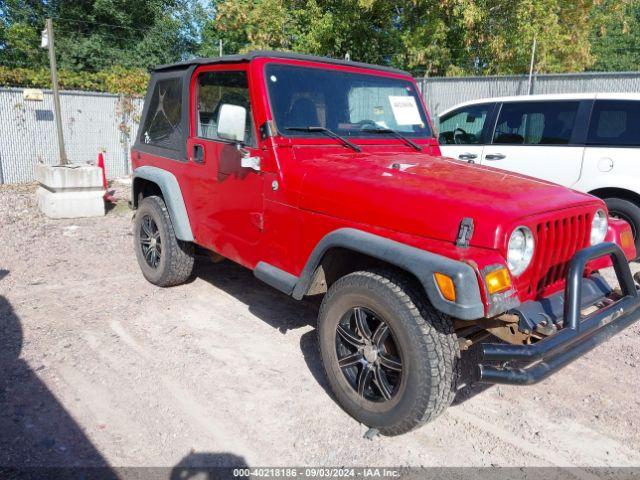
(99, 367)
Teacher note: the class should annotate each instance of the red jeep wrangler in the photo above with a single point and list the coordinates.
(325, 177)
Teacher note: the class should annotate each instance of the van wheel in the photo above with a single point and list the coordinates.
(629, 212)
(391, 359)
(164, 260)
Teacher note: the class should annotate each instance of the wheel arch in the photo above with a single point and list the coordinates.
(142, 187)
(156, 181)
(338, 261)
(362, 249)
(615, 192)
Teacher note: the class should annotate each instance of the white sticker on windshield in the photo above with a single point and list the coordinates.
(405, 110)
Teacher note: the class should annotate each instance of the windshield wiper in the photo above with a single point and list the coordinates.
(396, 134)
(326, 131)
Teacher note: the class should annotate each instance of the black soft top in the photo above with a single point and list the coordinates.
(246, 57)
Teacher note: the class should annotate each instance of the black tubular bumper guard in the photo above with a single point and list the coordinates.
(576, 338)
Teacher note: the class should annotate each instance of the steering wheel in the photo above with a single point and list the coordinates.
(367, 123)
(456, 136)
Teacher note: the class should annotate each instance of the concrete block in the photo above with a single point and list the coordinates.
(76, 175)
(70, 191)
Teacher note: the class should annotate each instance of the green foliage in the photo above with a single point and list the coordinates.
(104, 44)
(94, 35)
(432, 37)
(615, 36)
(362, 28)
(497, 37)
(115, 80)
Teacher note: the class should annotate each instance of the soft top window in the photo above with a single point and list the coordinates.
(163, 124)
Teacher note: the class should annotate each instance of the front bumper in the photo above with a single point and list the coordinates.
(537, 361)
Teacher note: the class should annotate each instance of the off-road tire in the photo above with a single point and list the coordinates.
(628, 211)
(426, 340)
(177, 257)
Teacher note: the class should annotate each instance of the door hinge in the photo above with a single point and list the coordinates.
(267, 129)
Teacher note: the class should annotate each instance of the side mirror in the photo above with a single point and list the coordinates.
(232, 120)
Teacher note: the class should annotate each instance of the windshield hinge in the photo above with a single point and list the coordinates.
(267, 130)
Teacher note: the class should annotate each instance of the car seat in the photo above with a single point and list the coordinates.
(555, 132)
(302, 113)
(513, 121)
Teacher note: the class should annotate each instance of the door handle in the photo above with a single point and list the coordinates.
(494, 156)
(467, 156)
(198, 153)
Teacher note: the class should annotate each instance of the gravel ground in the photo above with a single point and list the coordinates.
(99, 367)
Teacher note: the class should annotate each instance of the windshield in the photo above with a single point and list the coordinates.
(348, 104)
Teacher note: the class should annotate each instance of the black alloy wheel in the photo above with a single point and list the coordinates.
(150, 241)
(368, 355)
(164, 259)
(391, 359)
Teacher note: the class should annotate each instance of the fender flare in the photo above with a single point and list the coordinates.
(172, 195)
(420, 263)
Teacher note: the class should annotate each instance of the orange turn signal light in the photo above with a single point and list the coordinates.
(626, 239)
(498, 281)
(446, 286)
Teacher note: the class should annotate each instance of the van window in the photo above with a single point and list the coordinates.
(163, 125)
(536, 123)
(615, 123)
(463, 126)
(214, 90)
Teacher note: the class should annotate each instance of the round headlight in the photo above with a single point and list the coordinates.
(599, 226)
(520, 250)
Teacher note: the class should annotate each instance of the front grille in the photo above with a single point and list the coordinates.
(557, 242)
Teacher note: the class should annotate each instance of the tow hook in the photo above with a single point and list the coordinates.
(546, 327)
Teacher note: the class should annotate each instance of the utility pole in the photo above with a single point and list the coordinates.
(220, 46)
(533, 57)
(56, 94)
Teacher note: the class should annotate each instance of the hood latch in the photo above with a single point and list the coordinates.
(465, 232)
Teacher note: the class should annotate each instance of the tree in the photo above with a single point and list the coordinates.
(615, 36)
(96, 34)
(427, 37)
(362, 28)
(495, 37)
(19, 39)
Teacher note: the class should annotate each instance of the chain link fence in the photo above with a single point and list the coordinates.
(92, 123)
(444, 92)
(95, 122)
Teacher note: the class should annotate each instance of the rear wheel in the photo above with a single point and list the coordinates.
(164, 260)
(629, 212)
(391, 359)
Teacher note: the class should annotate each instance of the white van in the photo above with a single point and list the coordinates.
(589, 142)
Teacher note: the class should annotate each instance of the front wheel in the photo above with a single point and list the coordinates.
(164, 260)
(391, 359)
